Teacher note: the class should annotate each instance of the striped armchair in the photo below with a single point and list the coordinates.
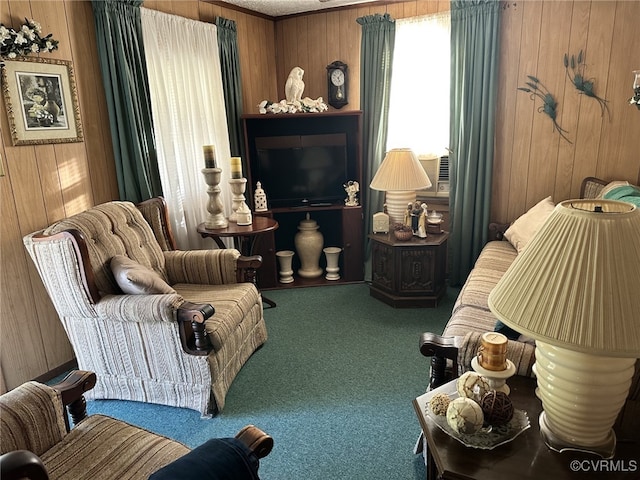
(36, 441)
(182, 348)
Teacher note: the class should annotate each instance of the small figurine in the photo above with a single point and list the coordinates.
(416, 211)
(407, 215)
(352, 188)
(422, 222)
(244, 215)
(260, 198)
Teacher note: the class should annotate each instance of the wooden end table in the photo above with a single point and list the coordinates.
(409, 273)
(525, 457)
(244, 237)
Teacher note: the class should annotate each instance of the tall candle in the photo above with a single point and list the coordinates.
(236, 167)
(209, 156)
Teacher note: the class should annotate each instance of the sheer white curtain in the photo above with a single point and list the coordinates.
(188, 112)
(419, 102)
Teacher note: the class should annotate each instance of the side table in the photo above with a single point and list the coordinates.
(244, 237)
(408, 273)
(525, 457)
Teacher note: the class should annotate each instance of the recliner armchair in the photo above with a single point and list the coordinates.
(182, 348)
(36, 442)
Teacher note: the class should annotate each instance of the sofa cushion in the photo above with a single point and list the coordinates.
(470, 318)
(89, 451)
(494, 260)
(136, 279)
(527, 225)
(233, 305)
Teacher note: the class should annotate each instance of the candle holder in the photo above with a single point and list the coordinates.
(497, 379)
(215, 207)
(238, 187)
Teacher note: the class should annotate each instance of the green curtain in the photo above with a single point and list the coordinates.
(475, 26)
(231, 82)
(124, 75)
(376, 59)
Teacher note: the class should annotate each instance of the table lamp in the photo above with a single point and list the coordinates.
(400, 175)
(574, 289)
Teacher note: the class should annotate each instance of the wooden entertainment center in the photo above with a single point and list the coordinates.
(340, 225)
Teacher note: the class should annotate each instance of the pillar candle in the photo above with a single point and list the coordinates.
(236, 167)
(493, 352)
(209, 156)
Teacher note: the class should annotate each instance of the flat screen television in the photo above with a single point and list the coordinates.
(302, 170)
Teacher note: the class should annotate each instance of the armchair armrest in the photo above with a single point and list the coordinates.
(212, 267)
(21, 464)
(71, 390)
(440, 349)
(162, 308)
(247, 267)
(191, 317)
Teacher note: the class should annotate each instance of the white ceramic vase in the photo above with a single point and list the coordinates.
(285, 258)
(309, 242)
(332, 255)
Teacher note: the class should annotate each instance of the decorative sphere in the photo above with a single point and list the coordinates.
(439, 403)
(472, 385)
(465, 415)
(497, 408)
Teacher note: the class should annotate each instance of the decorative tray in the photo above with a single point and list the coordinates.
(487, 438)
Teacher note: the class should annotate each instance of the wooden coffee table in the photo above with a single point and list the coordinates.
(525, 457)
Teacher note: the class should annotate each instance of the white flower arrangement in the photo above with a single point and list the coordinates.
(26, 40)
(306, 105)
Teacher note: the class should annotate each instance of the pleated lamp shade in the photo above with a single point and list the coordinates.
(576, 284)
(400, 175)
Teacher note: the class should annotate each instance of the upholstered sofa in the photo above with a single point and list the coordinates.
(36, 441)
(155, 324)
(451, 353)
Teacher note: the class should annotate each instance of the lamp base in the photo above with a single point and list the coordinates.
(397, 202)
(605, 450)
(581, 396)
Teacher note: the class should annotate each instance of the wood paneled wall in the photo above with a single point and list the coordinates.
(531, 161)
(315, 40)
(42, 184)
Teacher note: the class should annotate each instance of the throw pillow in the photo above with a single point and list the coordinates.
(136, 279)
(624, 193)
(526, 226)
(610, 186)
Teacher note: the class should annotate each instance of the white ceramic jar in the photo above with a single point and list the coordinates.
(309, 242)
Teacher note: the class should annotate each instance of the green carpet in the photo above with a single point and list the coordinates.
(333, 385)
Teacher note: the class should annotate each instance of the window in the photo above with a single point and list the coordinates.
(419, 102)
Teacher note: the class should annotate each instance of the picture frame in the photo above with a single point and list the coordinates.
(41, 101)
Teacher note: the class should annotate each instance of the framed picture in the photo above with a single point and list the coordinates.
(41, 101)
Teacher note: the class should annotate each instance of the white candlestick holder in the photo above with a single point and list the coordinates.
(215, 207)
(497, 378)
(238, 187)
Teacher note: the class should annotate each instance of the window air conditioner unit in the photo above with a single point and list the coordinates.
(437, 169)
